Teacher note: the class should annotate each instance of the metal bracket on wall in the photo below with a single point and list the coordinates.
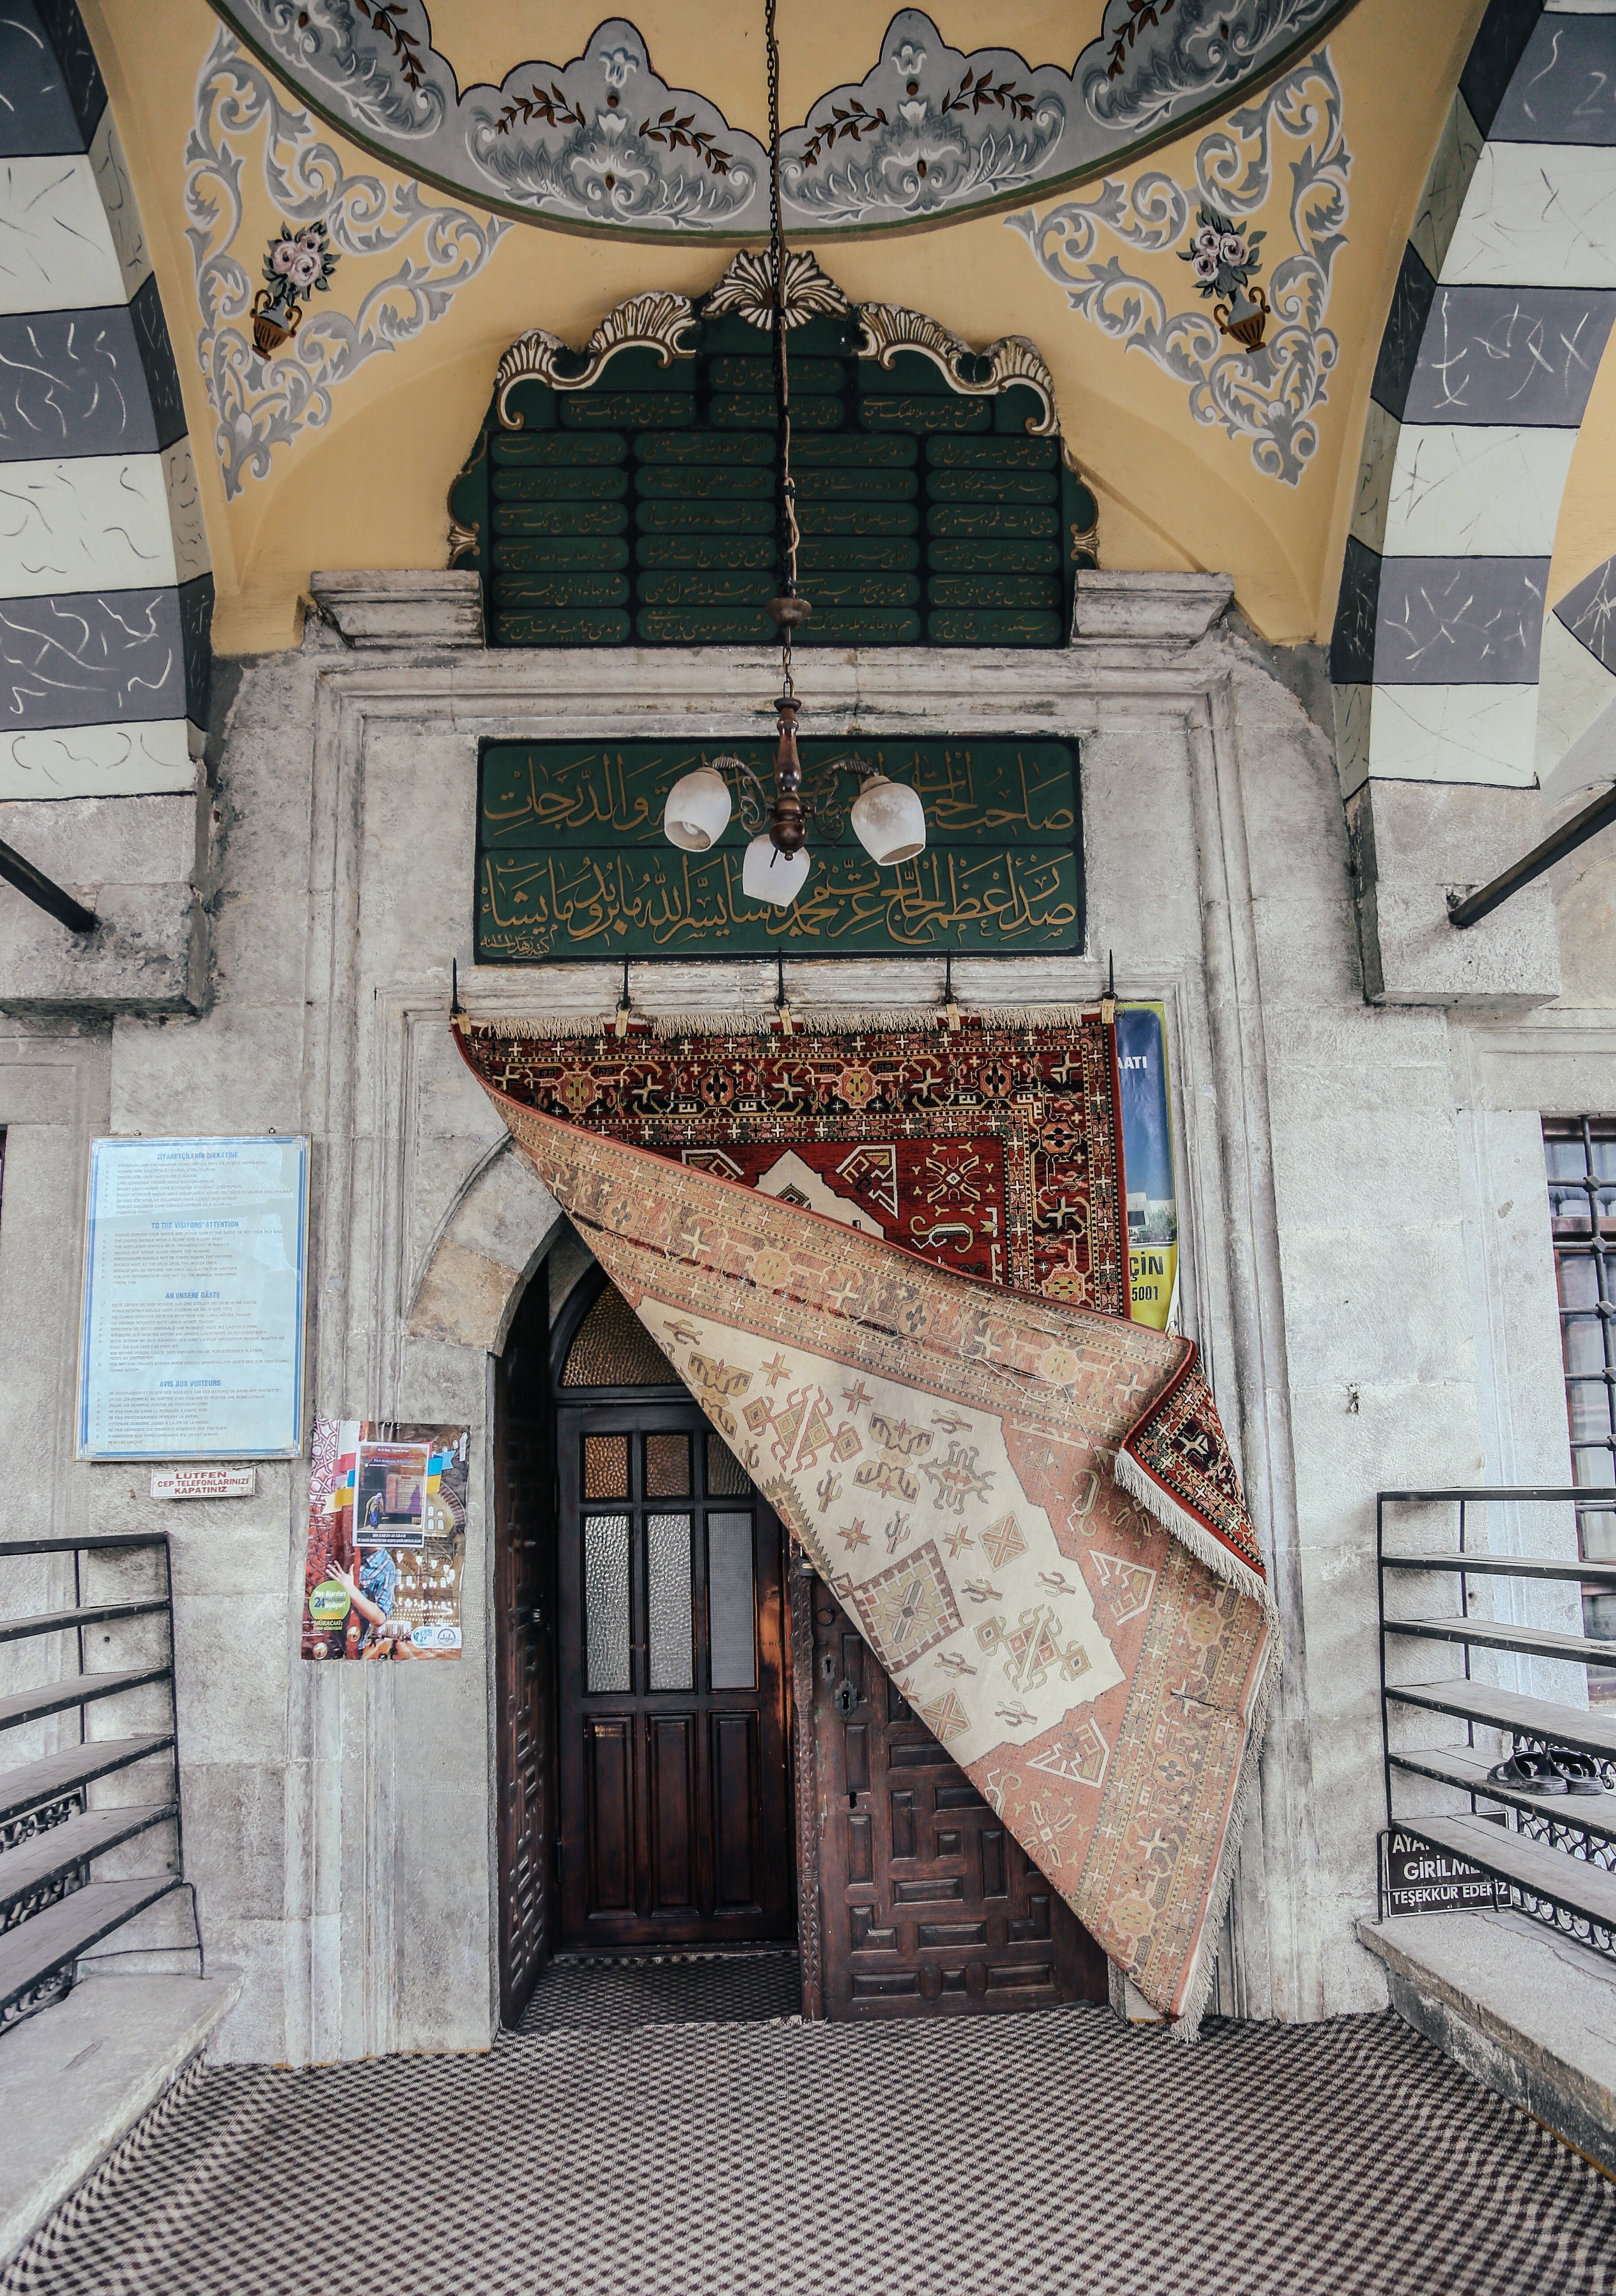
(44, 893)
(1531, 865)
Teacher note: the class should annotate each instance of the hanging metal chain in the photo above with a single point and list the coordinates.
(785, 486)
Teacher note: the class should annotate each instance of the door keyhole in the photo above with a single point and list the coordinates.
(844, 1699)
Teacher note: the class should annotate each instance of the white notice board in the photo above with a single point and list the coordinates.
(191, 1343)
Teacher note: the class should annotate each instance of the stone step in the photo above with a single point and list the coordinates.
(78, 2076)
(1529, 2012)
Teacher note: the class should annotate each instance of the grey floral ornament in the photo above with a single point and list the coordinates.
(297, 265)
(1223, 258)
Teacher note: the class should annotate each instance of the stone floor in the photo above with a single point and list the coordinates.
(1058, 2154)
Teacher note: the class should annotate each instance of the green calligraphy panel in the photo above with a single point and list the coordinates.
(572, 861)
(641, 508)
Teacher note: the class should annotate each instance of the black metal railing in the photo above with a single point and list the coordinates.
(54, 1824)
(1553, 1854)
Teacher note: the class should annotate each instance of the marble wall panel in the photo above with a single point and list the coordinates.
(93, 658)
(122, 209)
(1562, 91)
(1466, 491)
(1498, 46)
(71, 383)
(1538, 214)
(1459, 621)
(1446, 185)
(157, 357)
(1588, 612)
(64, 28)
(1352, 642)
(1411, 301)
(1454, 732)
(82, 522)
(1518, 355)
(60, 761)
(58, 250)
(38, 114)
(188, 531)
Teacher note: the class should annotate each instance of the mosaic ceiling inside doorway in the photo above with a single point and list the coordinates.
(601, 142)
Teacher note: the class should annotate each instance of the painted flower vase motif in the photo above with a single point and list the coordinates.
(297, 265)
(1225, 261)
(274, 321)
(1245, 319)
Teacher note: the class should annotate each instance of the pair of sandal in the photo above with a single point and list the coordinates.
(1552, 1770)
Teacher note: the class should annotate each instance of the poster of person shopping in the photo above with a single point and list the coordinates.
(387, 1519)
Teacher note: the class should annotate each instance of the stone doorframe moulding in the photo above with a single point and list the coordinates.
(449, 1299)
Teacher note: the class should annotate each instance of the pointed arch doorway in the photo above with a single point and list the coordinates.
(649, 1761)
(641, 1640)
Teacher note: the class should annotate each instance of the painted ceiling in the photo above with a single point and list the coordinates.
(603, 142)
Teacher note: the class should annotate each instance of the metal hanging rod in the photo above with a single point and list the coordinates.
(34, 886)
(1566, 840)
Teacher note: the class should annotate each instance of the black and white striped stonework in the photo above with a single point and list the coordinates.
(1504, 302)
(106, 598)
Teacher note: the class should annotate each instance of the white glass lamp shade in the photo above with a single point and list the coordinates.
(768, 875)
(697, 811)
(889, 821)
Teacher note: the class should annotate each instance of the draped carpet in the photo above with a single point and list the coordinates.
(1029, 1506)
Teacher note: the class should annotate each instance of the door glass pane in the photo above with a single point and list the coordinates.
(726, 1476)
(730, 1602)
(668, 1601)
(668, 1466)
(605, 1466)
(606, 1602)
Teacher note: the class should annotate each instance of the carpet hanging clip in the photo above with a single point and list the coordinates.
(1108, 995)
(950, 1004)
(620, 1018)
(782, 1009)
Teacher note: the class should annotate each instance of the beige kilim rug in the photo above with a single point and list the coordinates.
(1028, 1507)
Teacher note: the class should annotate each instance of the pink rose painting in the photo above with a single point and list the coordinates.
(1223, 258)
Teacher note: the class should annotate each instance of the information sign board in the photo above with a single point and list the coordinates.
(191, 1338)
(1418, 1878)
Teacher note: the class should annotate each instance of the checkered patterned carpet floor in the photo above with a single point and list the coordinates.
(1059, 2154)
(589, 1995)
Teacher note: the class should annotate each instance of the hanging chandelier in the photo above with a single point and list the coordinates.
(887, 817)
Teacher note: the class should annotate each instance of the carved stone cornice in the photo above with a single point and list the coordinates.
(889, 329)
(656, 321)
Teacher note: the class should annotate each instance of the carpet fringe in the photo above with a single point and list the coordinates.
(1142, 1486)
(806, 1019)
(1186, 2027)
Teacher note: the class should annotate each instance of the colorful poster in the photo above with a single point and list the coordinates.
(1147, 1158)
(190, 1339)
(387, 1521)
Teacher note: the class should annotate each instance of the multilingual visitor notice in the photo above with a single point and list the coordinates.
(191, 1337)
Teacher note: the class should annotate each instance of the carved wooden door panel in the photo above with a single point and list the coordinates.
(521, 1657)
(674, 1821)
(929, 1905)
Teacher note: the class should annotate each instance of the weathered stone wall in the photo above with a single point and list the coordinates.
(1365, 1249)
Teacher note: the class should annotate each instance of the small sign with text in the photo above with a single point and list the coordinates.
(205, 1483)
(1418, 1878)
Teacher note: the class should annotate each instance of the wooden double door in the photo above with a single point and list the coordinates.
(674, 1822)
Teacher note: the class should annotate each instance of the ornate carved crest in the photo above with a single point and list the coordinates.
(655, 322)
(889, 329)
(748, 289)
